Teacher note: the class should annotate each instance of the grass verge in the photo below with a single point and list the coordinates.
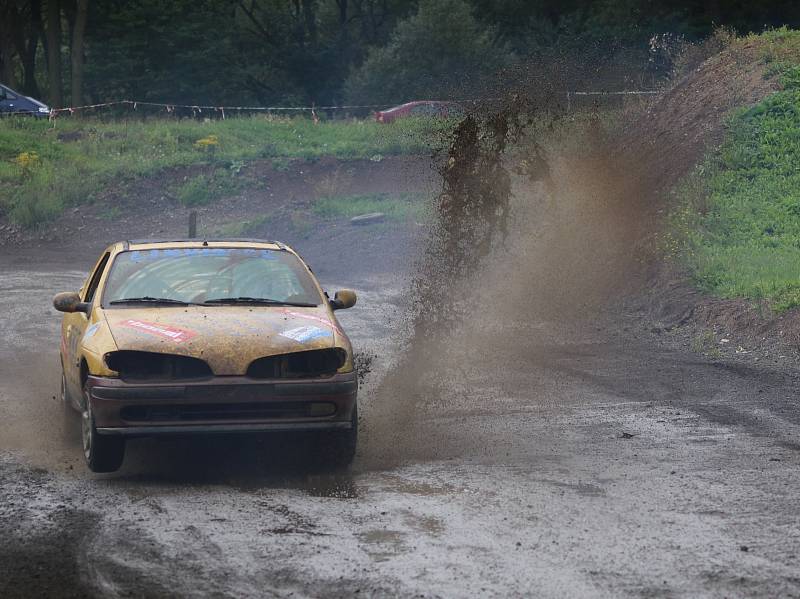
(205, 188)
(44, 169)
(400, 207)
(737, 227)
(241, 228)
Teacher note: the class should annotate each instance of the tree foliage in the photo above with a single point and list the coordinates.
(276, 51)
(430, 54)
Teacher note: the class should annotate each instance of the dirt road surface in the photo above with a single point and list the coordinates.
(594, 462)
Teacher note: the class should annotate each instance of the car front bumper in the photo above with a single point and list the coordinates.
(227, 404)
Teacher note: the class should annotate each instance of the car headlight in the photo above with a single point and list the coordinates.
(44, 109)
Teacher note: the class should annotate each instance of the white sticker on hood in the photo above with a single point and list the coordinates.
(305, 334)
(91, 331)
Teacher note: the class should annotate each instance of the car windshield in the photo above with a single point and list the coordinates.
(216, 275)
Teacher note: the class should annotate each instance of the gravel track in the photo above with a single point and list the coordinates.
(604, 464)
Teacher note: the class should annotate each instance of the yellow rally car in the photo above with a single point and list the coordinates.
(192, 336)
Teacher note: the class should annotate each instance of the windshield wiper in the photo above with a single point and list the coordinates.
(258, 300)
(146, 299)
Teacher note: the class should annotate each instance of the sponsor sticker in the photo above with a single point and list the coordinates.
(306, 334)
(175, 334)
(91, 331)
(313, 317)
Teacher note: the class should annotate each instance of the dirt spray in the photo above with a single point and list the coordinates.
(538, 219)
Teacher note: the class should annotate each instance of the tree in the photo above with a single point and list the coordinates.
(20, 34)
(28, 48)
(54, 80)
(76, 50)
(8, 51)
(302, 50)
(23, 32)
(431, 54)
(182, 51)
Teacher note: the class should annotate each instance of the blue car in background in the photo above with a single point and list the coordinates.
(12, 102)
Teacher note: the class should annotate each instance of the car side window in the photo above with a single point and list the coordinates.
(427, 110)
(95, 280)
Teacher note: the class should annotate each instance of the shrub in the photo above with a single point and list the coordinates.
(429, 54)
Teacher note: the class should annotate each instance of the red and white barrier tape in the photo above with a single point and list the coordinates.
(198, 108)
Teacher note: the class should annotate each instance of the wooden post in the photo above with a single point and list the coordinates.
(193, 224)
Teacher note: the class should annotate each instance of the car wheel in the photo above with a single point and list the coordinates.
(103, 453)
(338, 448)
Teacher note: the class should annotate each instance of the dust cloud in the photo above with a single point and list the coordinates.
(541, 222)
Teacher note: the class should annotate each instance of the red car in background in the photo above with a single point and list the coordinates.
(430, 108)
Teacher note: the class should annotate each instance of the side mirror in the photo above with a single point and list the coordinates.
(343, 299)
(69, 301)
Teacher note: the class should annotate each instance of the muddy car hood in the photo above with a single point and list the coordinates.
(228, 338)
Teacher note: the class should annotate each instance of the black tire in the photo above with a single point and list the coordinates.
(338, 448)
(103, 453)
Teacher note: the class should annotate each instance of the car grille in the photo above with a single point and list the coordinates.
(228, 411)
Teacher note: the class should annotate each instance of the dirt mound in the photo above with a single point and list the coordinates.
(750, 331)
(673, 133)
(663, 145)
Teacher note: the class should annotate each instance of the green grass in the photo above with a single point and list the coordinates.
(738, 225)
(401, 207)
(241, 228)
(93, 154)
(776, 46)
(706, 343)
(205, 188)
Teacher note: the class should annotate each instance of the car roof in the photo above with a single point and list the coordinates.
(154, 244)
(13, 91)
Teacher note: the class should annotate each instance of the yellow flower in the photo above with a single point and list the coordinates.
(27, 160)
(209, 142)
